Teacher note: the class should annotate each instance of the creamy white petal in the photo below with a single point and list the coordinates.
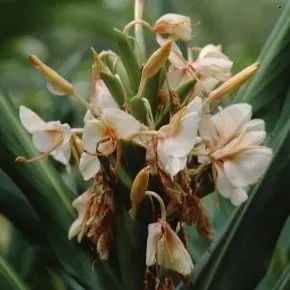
(248, 166)
(214, 66)
(230, 120)
(171, 164)
(89, 166)
(103, 98)
(209, 48)
(154, 234)
(238, 196)
(224, 187)
(171, 252)
(255, 125)
(62, 153)
(92, 135)
(123, 123)
(30, 120)
(176, 58)
(207, 129)
(44, 141)
(176, 25)
(81, 205)
(182, 142)
(253, 138)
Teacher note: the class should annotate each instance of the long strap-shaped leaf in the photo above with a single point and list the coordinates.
(9, 280)
(49, 196)
(272, 78)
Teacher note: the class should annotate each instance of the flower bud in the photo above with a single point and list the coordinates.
(176, 25)
(234, 82)
(157, 59)
(60, 85)
(139, 186)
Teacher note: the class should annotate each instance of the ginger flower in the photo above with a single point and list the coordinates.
(211, 62)
(232, 144)
(79, 227)
(101, 137)
(176, 25)
(50, 138)
(177, 138)
(165, 249)
(211, 65)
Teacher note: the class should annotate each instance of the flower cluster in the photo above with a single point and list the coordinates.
(185, 136)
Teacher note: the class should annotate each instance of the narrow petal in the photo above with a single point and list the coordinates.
(30, 120)
(230, 120)
(248, 166)
(123, 123)
(89, 166)
(92, 135)
(154, 234)
(238, 196)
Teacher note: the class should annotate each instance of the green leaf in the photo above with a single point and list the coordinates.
(184, 89)
(9, 280)
(46, 192)
(138, 109)
(271, 81)
(114, 86)
(131, 245)
(152, 88)
(129, 59)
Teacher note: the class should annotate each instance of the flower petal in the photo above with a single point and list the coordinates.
(230, 120)
(170, 164)
(89, 166)
(154, 234)
(171, 252)
(176, 58)
(62, 153)
(81, 205)
(248, 166)
(238, 196)
(44, 141)
(207, 129)
(30, 120)
(123, 123)
(92, 135)
(224, 187)
(103, 98)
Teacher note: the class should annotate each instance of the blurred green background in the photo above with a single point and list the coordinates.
(62, 31)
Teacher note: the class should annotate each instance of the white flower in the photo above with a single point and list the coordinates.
(211, 62)
(102, 136)
(102, 99)
(233, 144)
(178, 138)
(79, 226)
(48, 137)
(165, 249)
(176, 25)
